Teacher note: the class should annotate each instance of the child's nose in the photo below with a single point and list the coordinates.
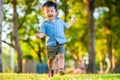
(49, 13)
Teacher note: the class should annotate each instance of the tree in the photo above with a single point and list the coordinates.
(109, 23)
(28, 25)
(15, 36)
(1, 11)
(91, 45)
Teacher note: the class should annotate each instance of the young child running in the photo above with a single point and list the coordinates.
(53, 28)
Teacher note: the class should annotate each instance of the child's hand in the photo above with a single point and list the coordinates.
(37, 35)
(73, 18)
(40, 35)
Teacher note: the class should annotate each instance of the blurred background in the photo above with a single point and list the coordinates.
(93, 40)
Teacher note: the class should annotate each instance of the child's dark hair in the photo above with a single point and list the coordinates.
(49, 4)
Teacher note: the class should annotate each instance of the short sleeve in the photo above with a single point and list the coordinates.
(64, 24)
(42, 28)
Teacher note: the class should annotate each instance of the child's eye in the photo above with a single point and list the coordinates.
(47, 12)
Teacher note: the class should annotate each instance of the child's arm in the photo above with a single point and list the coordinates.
(40, 35)
(73, 19)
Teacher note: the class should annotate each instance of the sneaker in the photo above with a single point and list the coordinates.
(51, 73)
(61, 71)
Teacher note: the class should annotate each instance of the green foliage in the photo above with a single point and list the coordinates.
(27, 57)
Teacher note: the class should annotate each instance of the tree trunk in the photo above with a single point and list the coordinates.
(117, 67)
(107, 59)
(101, 67)
(1, 11)
(113, 59)
(91, 44)
(109, 37)
(15, 36)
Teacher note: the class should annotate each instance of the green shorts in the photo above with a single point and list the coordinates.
(52, 51)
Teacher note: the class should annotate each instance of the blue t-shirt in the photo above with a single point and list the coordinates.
(54, 31)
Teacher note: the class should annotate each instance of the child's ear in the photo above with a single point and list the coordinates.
(43, 13)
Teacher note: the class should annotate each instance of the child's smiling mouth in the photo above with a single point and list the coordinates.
(50, 16)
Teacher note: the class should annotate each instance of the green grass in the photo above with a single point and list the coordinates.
(14, 76)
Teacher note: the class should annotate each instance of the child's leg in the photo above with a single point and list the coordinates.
(50, 64)
(51, 51)
(61, 62)
(55, 64)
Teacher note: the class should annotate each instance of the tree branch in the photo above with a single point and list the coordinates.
(8, 44)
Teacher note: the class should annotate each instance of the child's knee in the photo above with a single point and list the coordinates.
(61, 55)
(51, 60)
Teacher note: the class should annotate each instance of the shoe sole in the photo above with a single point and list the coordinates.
(61, 73)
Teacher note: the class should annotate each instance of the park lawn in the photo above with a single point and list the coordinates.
(14, 76)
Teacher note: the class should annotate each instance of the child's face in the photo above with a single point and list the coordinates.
(50, 13)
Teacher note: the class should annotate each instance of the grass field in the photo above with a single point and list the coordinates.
(14, 76)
